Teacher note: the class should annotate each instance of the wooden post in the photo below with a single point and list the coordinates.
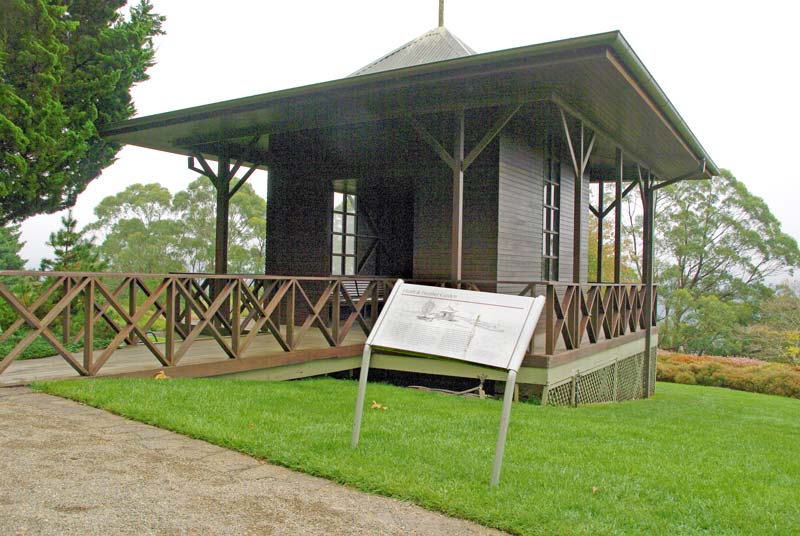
(221, 228)
(573, 389)
(225, 191)
(66, 315)
(647, 274)
(600, 207)
(550, 321)
(575, 316)
(458, 198)
(580, 159)
(577, 219)
(619, 164)
(290, 299)
(132, 307)
(88, 327)
(169, 347)
(236, 316)
(336, 312)
(373, 306)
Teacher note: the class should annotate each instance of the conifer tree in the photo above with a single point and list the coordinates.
(10, 247)
(73, 251)
(66, 69)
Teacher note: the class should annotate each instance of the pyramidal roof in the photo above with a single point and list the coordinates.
(432, 46)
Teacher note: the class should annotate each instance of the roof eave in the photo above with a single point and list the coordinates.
(613, 40)
(361, 81)
(707, 167)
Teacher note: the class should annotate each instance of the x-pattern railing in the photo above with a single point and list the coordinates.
(233, 310)
(594, 312)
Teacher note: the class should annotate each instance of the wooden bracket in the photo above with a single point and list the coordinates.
(431, 140)
(476, 151)
(490, 135)
(206, 169)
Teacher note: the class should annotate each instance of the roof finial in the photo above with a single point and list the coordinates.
(441, 13)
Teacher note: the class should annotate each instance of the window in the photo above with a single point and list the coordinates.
(343, 240)
(551, 208)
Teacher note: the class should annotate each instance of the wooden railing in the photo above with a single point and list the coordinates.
(576, 314)
(69, 309)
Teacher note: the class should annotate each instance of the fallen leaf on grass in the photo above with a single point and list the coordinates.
(376, 405)
(160, 375)
(595, 489)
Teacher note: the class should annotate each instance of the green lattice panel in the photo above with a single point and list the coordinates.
(560, 395)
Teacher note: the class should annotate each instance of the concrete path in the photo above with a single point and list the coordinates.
(66, 468)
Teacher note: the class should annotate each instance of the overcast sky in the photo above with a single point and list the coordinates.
(730, 68)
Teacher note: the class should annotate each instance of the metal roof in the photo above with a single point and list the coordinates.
(432, 46)
(598, 77)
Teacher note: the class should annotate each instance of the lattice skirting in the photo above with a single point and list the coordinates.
(614, 382)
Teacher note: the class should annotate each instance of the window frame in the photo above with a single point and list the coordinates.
(551, 215)
(344, 259)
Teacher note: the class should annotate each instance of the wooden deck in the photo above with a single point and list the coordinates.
(229, 324)
(135, 360)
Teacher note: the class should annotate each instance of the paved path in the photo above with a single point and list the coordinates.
(66, 468)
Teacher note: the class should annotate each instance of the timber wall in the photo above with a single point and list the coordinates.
(433, 209)
(409, 204)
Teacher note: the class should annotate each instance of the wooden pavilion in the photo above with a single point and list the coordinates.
(440, 165)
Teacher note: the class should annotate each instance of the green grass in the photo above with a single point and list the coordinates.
(691, 460)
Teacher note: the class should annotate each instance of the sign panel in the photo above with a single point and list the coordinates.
(482, 328)
(478, 327)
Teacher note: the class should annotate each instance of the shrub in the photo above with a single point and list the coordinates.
(41, 348)
(740, 373)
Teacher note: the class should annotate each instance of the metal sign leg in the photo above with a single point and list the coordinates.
(508, 397)
(362, 391)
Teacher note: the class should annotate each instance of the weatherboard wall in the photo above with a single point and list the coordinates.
(411, 211)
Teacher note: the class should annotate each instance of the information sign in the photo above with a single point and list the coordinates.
(478, 327)
(487, 329)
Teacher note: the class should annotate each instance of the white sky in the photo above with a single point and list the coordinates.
(729, 67)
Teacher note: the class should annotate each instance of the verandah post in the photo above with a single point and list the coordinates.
(619, 167)
(648, 200)
(458, 198)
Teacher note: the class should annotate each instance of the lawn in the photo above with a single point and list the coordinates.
(691, 460)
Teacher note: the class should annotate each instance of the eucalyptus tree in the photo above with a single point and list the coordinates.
(138, 230)
(717, 245)
(195, 208)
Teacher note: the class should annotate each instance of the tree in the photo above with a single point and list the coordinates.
(73, 251)
(138, 230)
(10, 247)
(66, 66)
(776, 335)
(195, 207)
(714, 239)
(628, 272)
(145, 229)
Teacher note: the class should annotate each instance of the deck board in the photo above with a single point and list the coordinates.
(131, 359)
(136, 358)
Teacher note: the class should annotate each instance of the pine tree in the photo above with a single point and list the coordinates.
(73, 251)
(10, 247)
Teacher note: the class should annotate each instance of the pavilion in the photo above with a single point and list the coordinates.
(437, 164)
